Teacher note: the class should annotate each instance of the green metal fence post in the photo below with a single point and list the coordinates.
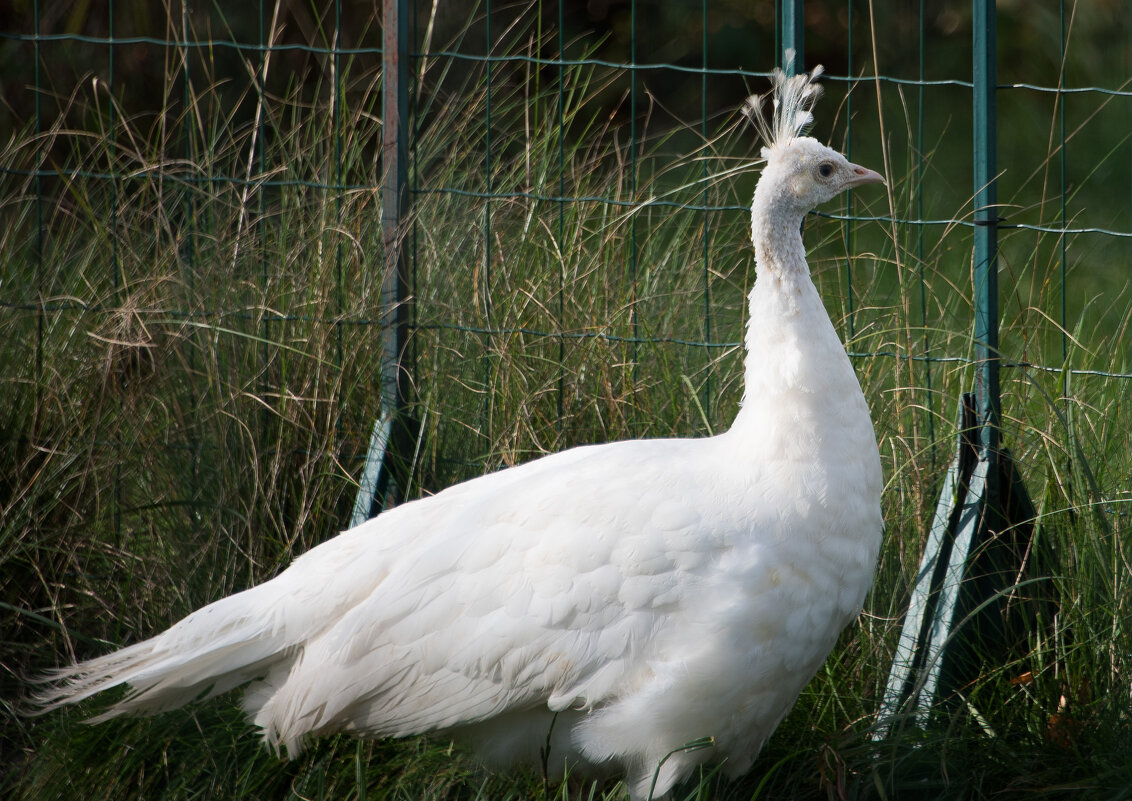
(388, 463)
(792, 24)
(958, 621)
(985, 77)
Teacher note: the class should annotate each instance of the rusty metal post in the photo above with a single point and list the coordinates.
(393, 441)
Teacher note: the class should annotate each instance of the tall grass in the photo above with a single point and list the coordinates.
(191, 336)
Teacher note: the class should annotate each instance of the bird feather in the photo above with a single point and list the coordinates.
(792, 101)
(616, 600)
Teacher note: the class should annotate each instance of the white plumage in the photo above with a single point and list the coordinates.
(626, 598)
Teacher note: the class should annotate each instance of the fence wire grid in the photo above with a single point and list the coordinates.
(193, 262)
(194, 288)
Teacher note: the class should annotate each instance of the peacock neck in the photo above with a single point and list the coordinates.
(776, 229)
(795, 363)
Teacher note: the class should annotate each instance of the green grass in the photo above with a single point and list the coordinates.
(193, 366)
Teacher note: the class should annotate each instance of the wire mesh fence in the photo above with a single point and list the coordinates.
(194, 259)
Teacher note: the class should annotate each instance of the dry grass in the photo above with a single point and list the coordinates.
(193, 363)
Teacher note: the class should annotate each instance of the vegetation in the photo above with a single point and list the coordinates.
(191, 328)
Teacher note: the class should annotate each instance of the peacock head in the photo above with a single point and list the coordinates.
(803, 173)
(800, 173)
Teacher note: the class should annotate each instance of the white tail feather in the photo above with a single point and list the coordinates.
(211, 651)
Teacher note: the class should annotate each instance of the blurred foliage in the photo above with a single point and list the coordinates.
(738, 36)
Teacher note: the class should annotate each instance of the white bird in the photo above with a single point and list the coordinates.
(617, 601)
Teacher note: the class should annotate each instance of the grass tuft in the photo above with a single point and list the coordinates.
(191, 334)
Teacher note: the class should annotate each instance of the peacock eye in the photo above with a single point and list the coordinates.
(825, 169)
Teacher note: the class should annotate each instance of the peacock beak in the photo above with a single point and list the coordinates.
(863, 175)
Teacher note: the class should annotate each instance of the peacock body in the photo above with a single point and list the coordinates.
(621, 599)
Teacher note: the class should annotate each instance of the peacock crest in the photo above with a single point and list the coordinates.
(792, 100)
